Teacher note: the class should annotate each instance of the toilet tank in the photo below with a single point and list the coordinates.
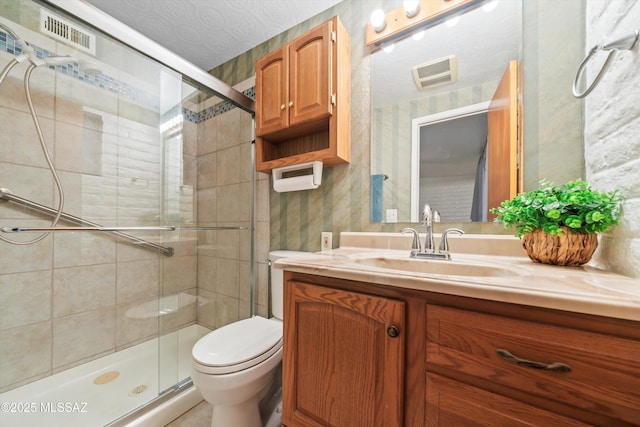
(277, 280)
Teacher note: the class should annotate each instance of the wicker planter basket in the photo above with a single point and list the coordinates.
(569, 249)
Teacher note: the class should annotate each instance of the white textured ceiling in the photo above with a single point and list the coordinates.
(211, 32)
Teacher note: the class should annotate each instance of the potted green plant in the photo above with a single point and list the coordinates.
(559, 224)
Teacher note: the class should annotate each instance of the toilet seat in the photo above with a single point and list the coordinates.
(222, 352)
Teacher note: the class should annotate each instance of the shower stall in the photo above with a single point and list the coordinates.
(127, 191)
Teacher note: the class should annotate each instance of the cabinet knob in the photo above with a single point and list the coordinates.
(290, 103)
(282, 107)
(393, 331)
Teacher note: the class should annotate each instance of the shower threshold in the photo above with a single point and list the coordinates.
(102, 390)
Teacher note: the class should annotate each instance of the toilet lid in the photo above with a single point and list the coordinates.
(239, 345)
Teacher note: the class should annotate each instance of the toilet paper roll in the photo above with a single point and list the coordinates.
(295, 183)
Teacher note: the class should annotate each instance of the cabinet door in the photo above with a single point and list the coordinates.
(272, 91)
(454, 404)
(310, 75)
(343, 362)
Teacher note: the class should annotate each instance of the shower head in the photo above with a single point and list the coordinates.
(624, 43)
(90, 67)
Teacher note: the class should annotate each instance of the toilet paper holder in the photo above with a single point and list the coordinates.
(300, 182)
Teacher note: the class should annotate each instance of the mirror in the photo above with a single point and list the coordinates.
(484, 43)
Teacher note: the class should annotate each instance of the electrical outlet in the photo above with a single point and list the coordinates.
(326, 241)
(392, 215)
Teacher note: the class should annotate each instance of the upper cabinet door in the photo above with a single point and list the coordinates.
(310, 75)
(303, 100)
(272, 91)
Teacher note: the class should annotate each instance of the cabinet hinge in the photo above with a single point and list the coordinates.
(333, 36)
(333, 99)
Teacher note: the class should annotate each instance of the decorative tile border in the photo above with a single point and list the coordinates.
(8, 44)
(215, 110)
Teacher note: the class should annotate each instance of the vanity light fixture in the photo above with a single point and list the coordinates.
(377, 20)
(411, 7)
(413, 16)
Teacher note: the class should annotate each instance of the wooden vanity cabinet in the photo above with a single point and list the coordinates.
(575, 372)
(451, 403)
(341, 368)
(303, 100)
(344, 358)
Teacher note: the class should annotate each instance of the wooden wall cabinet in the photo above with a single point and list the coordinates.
(341, 368)
(303, 100)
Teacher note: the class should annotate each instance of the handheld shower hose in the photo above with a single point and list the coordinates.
(29, 55)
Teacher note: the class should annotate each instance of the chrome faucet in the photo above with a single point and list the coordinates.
(427, 220)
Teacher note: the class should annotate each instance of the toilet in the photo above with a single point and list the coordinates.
(234, 366)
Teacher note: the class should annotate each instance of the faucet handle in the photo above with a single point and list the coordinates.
(436, 216)
(444, 241)
(415, 245)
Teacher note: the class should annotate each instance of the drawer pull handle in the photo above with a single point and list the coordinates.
(556, 366)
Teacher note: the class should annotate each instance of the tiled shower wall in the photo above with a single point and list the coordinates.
(223, 156)
(76, 296)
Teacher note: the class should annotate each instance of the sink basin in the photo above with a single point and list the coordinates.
(441, 267)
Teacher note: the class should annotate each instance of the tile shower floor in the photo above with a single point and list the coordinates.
(97, 392)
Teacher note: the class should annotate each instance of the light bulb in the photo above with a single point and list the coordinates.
(411, 7)
(488, 7)
(418, 36)
(377, 20)
(389, 48)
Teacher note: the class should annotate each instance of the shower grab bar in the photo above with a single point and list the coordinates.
(213, 228)
(7, 195)
(88, 228)
(103, 228)
(623, 43)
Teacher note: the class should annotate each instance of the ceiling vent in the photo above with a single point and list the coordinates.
(67, 32)
(435, 73)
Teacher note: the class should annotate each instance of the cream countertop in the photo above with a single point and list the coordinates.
(518, 280)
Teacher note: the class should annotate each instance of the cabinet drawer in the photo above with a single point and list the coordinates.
(604, 375)
(453, 404)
